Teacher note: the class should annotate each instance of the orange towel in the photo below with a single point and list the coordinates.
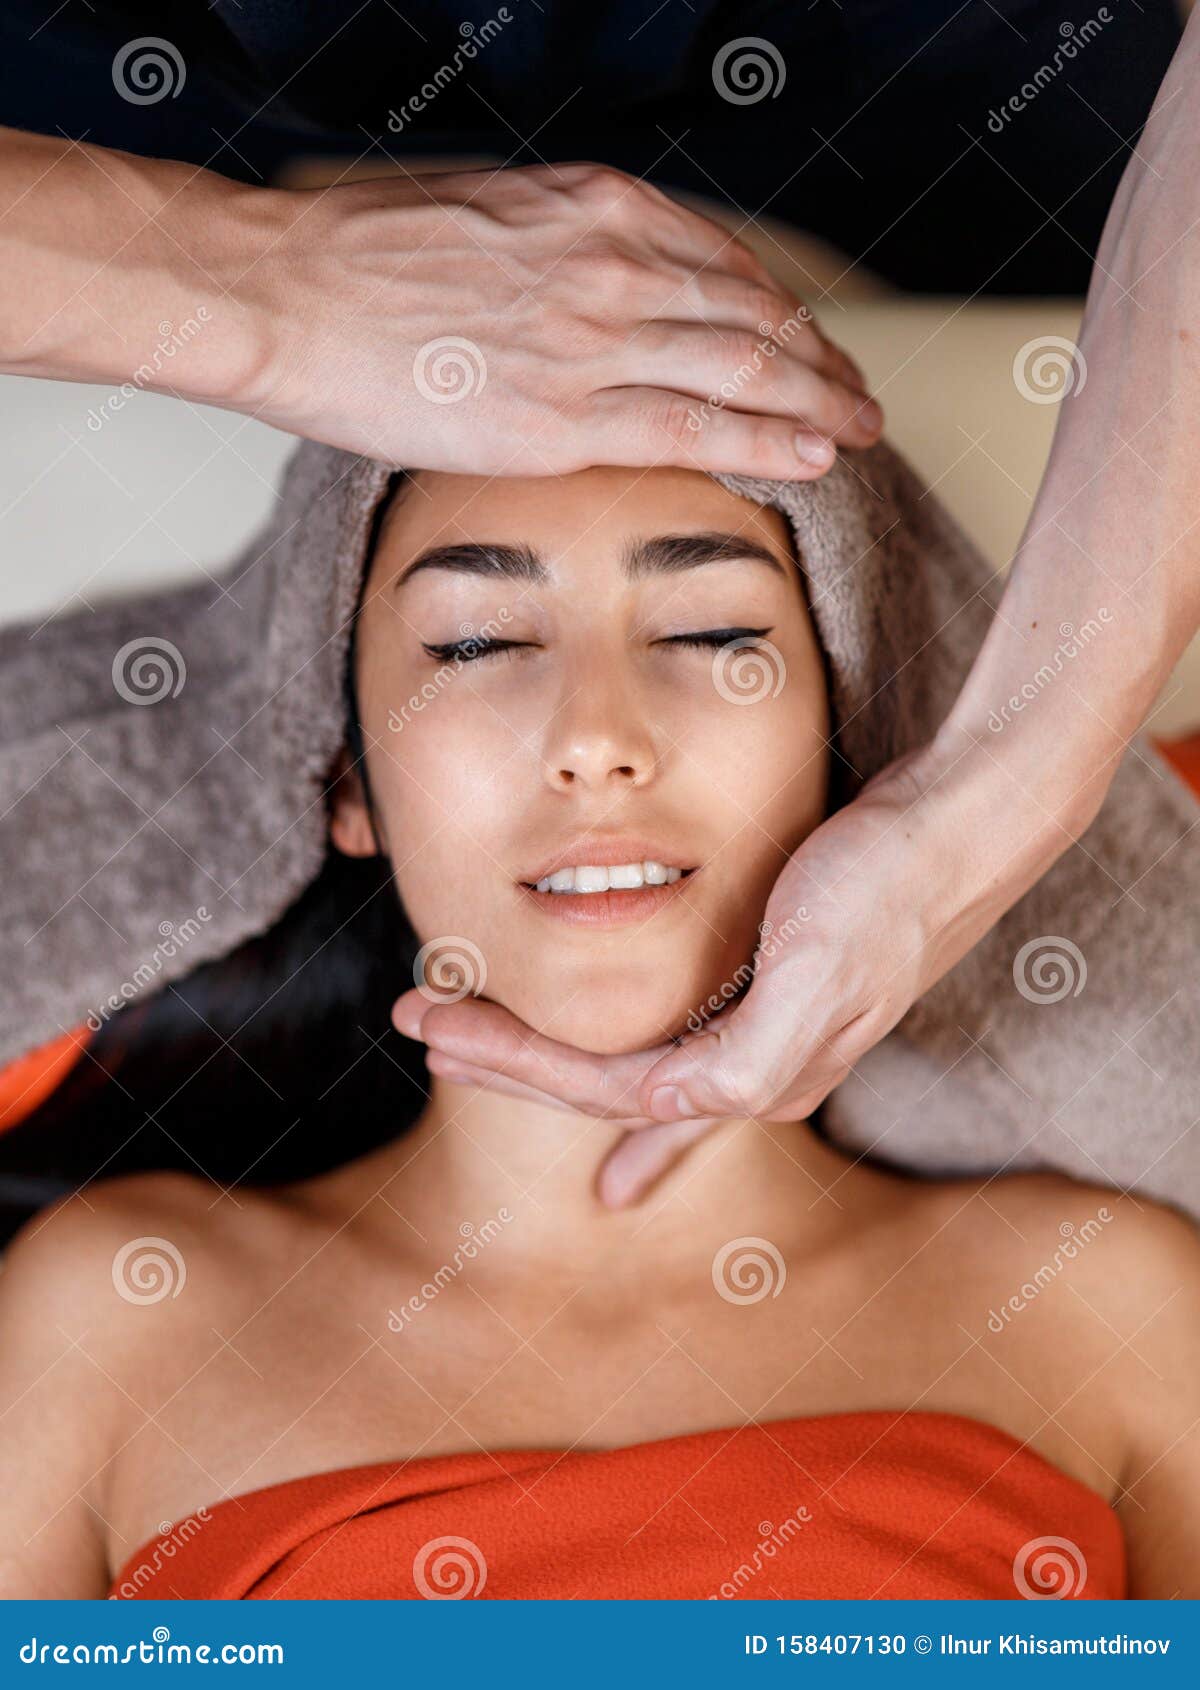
(29, 1081)
(847, 1505)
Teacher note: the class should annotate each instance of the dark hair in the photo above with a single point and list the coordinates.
(272, 1063)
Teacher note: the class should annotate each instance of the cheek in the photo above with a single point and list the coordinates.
(767, 781)
(442, 781)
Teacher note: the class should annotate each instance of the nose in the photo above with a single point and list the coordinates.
(599, 739)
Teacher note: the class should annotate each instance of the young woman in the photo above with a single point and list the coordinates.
(446, 1367)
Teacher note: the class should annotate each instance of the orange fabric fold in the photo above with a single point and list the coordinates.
(848, 1505)
(1184, 757)
(29, 1081)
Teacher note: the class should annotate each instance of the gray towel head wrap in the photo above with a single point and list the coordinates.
(163, 771)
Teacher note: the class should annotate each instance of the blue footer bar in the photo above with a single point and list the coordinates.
(615, 1644)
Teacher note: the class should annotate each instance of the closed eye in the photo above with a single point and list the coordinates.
(714, 638)
(471, 650)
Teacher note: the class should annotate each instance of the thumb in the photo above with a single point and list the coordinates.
(696, 1078)
(757, 1057)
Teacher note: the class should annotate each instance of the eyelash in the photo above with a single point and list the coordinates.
(471, 651)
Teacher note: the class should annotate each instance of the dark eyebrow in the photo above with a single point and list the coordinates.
(664, 554)
(510, 563)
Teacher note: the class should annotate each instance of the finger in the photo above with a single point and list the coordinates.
(461, 1073)
(762, 1063)
(711, 296)
(489, 1037)
(735, 368)
(641, 1159)
(697, 243)
(408, 1012)
(651, 426)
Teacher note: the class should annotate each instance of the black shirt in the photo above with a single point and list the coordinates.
(877, 126)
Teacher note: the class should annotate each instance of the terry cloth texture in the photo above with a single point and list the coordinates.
(164, 762)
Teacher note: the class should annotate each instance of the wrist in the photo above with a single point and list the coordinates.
(243, 277)
(130, 272)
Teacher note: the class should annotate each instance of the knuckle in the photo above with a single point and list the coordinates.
(671, 419)
(603, 188)
(742, 350)
(766, 306)
(747, 263)
(756, 437)
(611, 273)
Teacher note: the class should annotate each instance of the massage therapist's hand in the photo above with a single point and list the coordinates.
(527, 321)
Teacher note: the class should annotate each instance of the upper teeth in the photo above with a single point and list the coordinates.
(588, 877)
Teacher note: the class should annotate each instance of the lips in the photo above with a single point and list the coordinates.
(607, 882)
(597, 851)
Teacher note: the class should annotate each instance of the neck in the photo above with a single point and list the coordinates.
(476, 1153)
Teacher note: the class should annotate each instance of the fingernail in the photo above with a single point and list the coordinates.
(811, 449)
(667, 1103)
(871, 415)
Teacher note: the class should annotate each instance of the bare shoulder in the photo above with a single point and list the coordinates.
(102, 1299)
(1122, 1246)
(134, 1245)
(1099, 1289)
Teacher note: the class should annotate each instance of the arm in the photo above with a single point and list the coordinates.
(1156, 1317)
(1115, 523)
(588, 316)
(902, 882)
(57, 1410)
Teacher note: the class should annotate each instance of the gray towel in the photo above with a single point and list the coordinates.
(163, 766)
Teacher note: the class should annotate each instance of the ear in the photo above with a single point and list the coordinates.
(350, 827)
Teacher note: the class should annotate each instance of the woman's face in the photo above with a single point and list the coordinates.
(602, 679)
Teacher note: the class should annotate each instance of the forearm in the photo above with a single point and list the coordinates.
(121, 269)
(1105, 591)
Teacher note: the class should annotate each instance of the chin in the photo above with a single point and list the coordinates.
(632, 1012)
